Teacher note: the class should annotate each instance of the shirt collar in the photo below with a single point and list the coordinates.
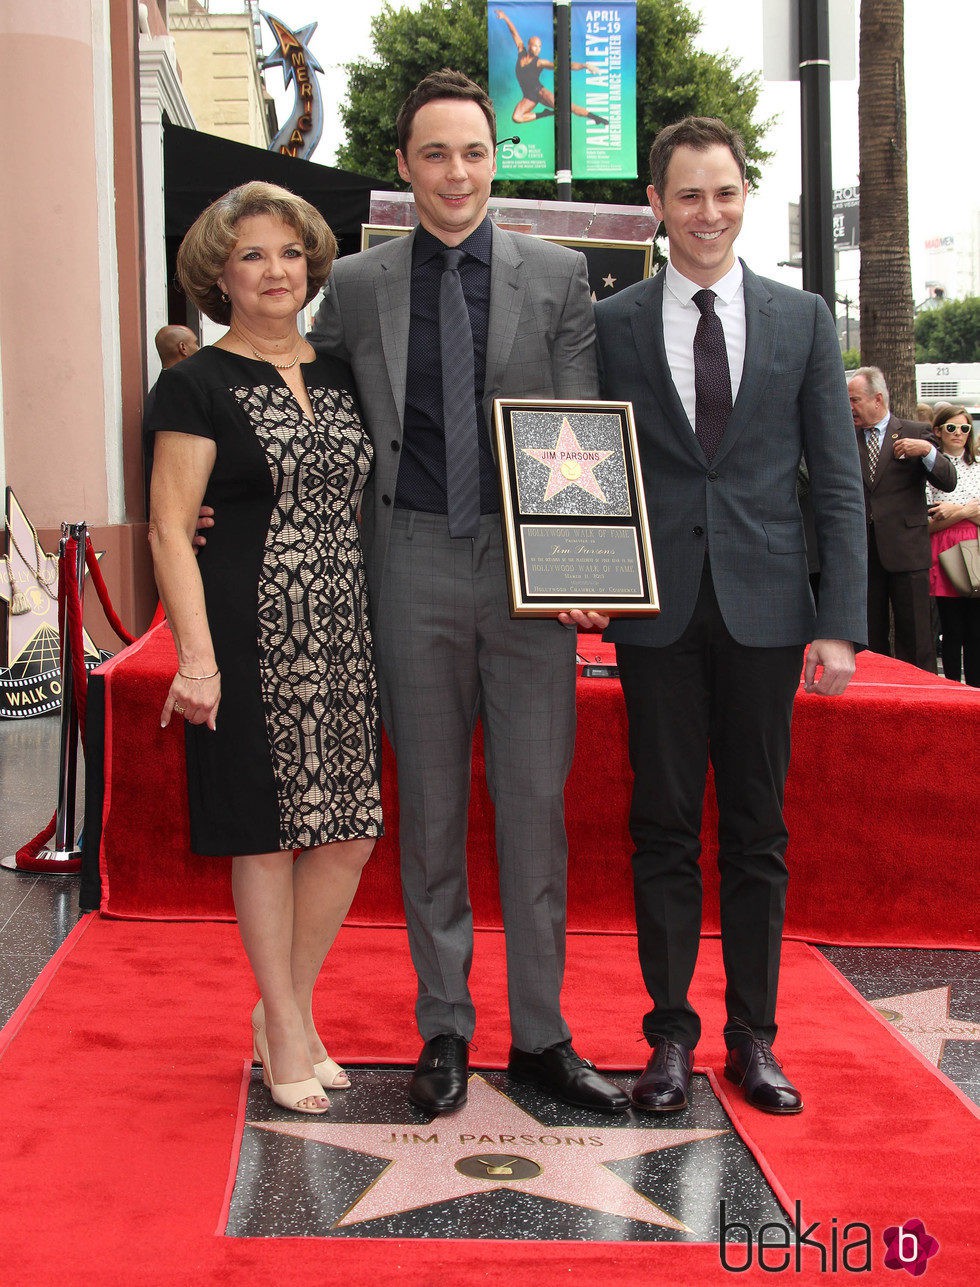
(684, 290)
(881, 423)
(477, 244)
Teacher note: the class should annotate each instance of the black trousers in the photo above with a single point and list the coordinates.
(706, 695)
(908, 595)
(960, 623)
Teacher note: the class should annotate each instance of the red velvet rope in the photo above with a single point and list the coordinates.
(95, 572)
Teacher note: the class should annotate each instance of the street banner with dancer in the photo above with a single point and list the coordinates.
(520, 37)
(604, 130)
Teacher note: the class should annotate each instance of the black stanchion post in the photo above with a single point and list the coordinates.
(563, 100)
(64, 850)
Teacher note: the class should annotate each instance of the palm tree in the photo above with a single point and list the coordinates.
(887, 336)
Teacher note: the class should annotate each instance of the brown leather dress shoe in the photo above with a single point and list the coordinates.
(567, 1076)
(662, 1087)
(439, 1082)
(752, 1065)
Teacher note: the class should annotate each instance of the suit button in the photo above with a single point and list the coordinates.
(697, 531)
(385, 500)
(713, 475)
(395, 446)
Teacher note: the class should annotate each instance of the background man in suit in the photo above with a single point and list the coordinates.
(174, 343)
(897, 456)
(446, 646)
(723, 414)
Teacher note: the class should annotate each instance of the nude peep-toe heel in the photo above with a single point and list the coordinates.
(287, 1094)
(328, 1072)
(330, 1075)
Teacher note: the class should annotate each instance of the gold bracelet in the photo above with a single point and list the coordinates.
(199, 677)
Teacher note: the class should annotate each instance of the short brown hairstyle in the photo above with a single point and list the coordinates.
(944, 414)
(699, 133)
(443, 84)
(213, 235)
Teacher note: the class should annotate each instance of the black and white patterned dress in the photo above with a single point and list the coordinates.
(295, 759)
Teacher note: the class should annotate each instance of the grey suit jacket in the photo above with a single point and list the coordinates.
(540, 343)
(898, 515)
(792, 400)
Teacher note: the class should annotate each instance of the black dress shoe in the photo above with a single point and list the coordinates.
(662, 1087)
(752, 1065)
(567, 1076)
(440, 1078)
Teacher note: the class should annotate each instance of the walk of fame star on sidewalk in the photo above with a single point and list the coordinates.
(923, 1018)
(491, 1127)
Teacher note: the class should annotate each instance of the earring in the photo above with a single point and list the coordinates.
(225, 299)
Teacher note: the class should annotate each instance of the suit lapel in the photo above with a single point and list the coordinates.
(648, 336)
(393, 290)
(760, 348)
(507, 291)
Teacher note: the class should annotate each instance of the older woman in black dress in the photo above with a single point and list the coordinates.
(275, 681)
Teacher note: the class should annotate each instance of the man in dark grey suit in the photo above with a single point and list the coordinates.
(446, 646)
(732, 379)
(898, 458)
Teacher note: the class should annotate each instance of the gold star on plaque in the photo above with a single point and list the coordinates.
(569, 463)
(609, 281)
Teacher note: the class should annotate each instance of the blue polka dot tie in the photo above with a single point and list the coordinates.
(712, 378)
(458, 402)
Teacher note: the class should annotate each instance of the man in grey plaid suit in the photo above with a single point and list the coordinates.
(446, 647)
(732, 378)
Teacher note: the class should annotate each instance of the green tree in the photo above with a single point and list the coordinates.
(673, 78)
(949, 333)
(852, 359)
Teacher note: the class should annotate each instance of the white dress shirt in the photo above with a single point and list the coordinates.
(681, 316)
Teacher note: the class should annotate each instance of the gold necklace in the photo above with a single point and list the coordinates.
(280, 366)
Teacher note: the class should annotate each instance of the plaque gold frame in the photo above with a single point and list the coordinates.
(576, 532)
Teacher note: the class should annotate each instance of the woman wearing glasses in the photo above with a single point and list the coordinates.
(953, 517)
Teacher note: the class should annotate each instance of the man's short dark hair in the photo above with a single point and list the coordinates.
(442, 84)
(699, 133)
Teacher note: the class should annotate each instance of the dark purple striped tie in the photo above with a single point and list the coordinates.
(712, 378)
(458, 402)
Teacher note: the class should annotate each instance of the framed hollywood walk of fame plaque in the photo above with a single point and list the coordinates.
(574, 516)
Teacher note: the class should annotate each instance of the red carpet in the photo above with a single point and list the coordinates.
(122, 1071)
(879, 853)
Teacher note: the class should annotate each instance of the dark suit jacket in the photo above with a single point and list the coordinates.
(792, 399)
(540, 343)
(897, 513)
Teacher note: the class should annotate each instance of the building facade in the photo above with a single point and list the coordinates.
(89, 86)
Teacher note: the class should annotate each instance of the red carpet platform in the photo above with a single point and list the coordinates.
(883, 851)
(122, 1076)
